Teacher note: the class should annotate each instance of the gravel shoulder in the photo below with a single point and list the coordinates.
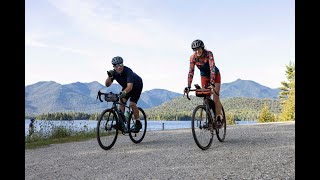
(255, 151)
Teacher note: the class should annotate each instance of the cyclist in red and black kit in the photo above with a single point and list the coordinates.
(131, 87)
(209, 73)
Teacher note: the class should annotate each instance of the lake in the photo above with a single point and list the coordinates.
(245, 122)
(91, 124)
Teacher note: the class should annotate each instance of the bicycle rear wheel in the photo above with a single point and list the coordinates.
(107, 132)
(221, 132)
(138, 137)
(202, 133)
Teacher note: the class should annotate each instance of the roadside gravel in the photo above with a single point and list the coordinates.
(256, 151)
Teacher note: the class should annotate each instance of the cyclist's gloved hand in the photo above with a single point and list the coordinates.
(186, 89)
(110, 73)
(122, 94)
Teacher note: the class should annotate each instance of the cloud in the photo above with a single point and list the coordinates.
(32, 42)
(29, 41)
(119, 22)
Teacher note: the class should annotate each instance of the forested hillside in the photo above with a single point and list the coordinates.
(45, 97)
(249, 108)
(181, 108)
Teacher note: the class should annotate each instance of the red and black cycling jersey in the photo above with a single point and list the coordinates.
(205, 64)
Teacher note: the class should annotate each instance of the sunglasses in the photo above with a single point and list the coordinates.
(118, 65)
(196, 49)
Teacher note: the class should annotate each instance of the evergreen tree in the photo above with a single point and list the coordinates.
(265, 115)
(288, 110)
(287, 86)
(288, 95)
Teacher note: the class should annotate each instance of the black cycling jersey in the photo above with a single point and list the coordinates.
(127, 76)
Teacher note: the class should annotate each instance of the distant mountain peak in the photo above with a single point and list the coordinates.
(247, 88)
(50, 96)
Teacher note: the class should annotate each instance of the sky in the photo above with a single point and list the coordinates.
(69, 41)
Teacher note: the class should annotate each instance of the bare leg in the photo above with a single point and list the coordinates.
(217, 99)
(135, 110)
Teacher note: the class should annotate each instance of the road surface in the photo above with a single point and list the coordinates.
(254, 151)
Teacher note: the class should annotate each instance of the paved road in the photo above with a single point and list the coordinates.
(260, 151)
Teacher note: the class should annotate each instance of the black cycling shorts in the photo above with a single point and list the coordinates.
(134, 94)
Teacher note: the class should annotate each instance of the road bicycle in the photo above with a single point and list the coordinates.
(112, 120)
(203, 119)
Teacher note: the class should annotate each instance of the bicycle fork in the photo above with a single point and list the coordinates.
(210, 116)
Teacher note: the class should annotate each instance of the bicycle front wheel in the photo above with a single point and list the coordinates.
(107, 131)
(201, 131)
(137, 137)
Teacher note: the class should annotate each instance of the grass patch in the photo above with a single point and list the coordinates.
(51, 134)
(32, 143)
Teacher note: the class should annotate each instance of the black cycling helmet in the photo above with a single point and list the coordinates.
(196, 44)
(117, 60)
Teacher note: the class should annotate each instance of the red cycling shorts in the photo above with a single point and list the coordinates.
(206, 81)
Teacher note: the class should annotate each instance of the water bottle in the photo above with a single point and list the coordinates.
(126, 115)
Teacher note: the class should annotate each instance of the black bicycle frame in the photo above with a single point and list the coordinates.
(208, 112)
(121, 116)
(205, 103)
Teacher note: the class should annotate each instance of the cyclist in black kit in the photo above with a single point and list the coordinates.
(131, 86)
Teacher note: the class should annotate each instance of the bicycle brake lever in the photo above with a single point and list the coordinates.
(99, 95)
(197, 86)
(187, 94)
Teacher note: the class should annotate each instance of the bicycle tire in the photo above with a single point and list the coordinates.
(137, 137)
(202, 134)
(221, 133)
(107, 130)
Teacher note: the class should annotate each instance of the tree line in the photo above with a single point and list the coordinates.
(236, 108)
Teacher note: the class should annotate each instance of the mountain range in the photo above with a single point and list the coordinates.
(50, 96)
